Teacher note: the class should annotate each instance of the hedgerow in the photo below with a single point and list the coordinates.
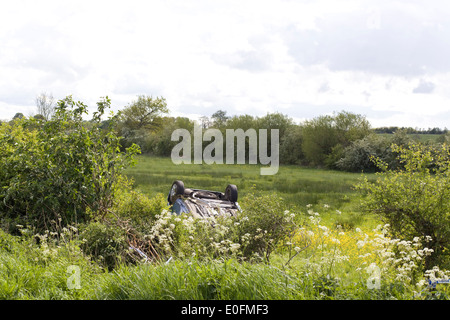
(64, 170)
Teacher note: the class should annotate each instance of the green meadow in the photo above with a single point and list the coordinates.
(298, 186)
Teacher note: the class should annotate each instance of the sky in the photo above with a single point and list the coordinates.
(386, 60)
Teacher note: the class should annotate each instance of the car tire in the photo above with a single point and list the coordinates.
(176, 190)
(231, 193)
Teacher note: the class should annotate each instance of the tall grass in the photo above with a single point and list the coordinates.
(327, 271)
(196, 280)
(232, 280)
(31, 271)
(299, 186)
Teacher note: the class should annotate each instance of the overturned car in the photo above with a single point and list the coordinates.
(203, 203)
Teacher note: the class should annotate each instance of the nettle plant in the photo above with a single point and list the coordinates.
(65, 169)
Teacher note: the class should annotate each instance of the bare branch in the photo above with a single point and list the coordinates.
(45, 104)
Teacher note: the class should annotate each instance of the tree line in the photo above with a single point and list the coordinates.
(410, 130)
(341, 141)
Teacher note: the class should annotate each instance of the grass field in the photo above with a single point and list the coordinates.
(298, 186)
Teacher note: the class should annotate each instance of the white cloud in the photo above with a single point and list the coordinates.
(303, 58)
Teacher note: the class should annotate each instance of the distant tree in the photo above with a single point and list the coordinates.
(18, 115)
(410, 130)
(46, 105)
(160, 143)
(181, 123)
(275, 120)
(291, 146)
(205, 122)
(350, 127)
(318, 139)
(325, 137)
(243, 122)
(144, 113)
(219, 118)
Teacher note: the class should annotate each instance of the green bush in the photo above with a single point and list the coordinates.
(137, 208)
(358, 156)
(65, 169)
(105, 243)
(264, 224)
(291, 146)
(415, 201)
(321, 135)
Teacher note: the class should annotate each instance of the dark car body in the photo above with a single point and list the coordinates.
(203, 203)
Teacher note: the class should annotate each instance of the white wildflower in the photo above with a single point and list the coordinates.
(360, 244)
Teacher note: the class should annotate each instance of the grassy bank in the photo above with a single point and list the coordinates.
(334, 254)
(30, 272)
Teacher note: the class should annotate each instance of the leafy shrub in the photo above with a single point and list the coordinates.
(61, 169)
(322, 134)
(105, 242)
(137, 208)
(358, 156)
(263, 225)
(415, 201)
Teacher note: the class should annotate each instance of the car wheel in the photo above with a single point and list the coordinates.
(176, 190)
(231, 193)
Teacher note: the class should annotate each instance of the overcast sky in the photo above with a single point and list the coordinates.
(387, 60)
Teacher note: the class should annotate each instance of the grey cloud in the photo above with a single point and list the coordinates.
(324, 87)
(17, 96)
(367, 95)
(256, 60)
(252, 61)
(45, 49)
(401, 44)
(137, 84)
(424, 87)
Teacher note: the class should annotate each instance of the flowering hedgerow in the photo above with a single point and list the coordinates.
(373, 252)
(331, 252)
